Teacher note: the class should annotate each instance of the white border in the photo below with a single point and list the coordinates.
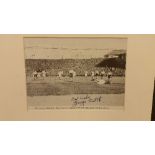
(77, 17)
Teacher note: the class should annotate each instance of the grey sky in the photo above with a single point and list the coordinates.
(58, 48)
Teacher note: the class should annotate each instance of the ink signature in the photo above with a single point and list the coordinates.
(82, 100)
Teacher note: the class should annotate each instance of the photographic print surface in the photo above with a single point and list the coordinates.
(75, 72)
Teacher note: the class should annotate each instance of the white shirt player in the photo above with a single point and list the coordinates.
(92, 75)
(110, 74)
(39, 74)
(86, 73)
(74, 74)
(96, 72)
(35, 74)
(44, 73)
(60, 73)
(102, 73)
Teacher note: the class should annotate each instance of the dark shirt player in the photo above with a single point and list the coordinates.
(109, 75)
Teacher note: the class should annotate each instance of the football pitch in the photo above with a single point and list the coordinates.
(80, 85)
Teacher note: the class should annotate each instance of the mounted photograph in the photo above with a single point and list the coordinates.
(75, 72)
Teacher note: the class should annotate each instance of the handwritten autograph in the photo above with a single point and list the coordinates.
(82, 100)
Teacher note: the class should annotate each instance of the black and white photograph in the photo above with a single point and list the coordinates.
(75, 72)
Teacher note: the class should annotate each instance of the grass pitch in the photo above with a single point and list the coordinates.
(79, 85)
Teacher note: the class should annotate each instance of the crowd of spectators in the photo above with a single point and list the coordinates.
(81, 66)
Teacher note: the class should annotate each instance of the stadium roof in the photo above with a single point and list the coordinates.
(116, 52)
(111, 59)
(112, 62)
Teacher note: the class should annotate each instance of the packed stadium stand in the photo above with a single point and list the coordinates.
(53, 66)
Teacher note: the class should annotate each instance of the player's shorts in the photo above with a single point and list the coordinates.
(35, 75)
(109, 76)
